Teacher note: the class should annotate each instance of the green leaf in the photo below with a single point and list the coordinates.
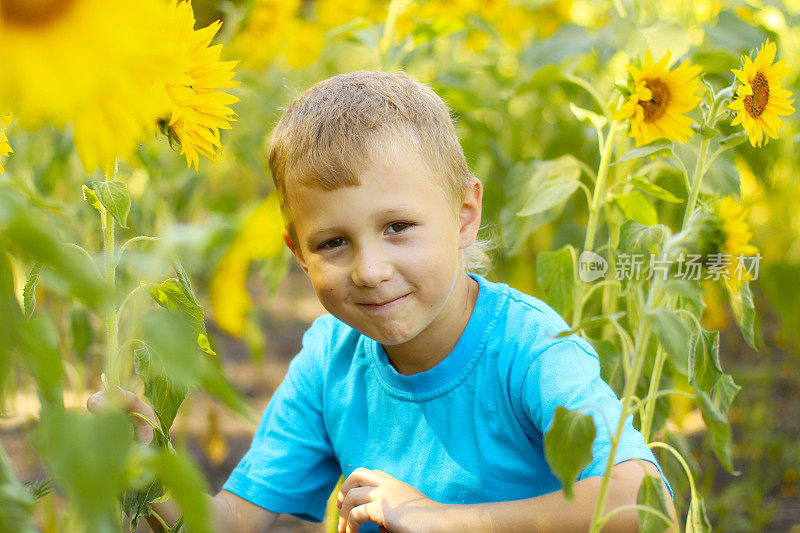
(673, 335)
(555, 272)
(214, 383)
(609, 355)
(138, 502)
(81, 327)
(651, 494)
(39, 344)
(544, 77)
(584, 115)
(652, 150)
(183, 279)
(186, 484)
(724, 392)
(591, 322)
(86, 455)
(690, 291)
(568, 445)
(115, 198)
(745, 312)
(635, 238)
(735, 139)
(90, 197)
(171, 343)
(165, 395)
(29, 292)
(552, 183)
(16, 502)
(654, 190)
(175, 294)
(30, 233)
(704, 365)
(696, 518)
(705, 131)
(636, 206)
(719, 428)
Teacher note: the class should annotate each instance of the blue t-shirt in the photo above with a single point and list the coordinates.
(469, 430)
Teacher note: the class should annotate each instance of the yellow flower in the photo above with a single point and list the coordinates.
(198, 108)
(5, 148)
(304, 44)
(268, 27)
(335, 13)
(92, 63)
(659, 100)
(760, 99)
(259, 238)
(737, 234)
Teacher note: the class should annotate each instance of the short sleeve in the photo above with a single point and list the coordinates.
(567, 373)
(290, 466)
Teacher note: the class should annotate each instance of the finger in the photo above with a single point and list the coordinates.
(362, 514)
(360, 477)
(355, 497)
(96, 401)
(132, 402)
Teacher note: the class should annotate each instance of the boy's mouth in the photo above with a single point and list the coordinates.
(383, 304)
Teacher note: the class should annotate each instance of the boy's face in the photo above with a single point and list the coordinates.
(384, 256)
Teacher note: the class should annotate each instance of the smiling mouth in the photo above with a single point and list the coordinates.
(384, 305)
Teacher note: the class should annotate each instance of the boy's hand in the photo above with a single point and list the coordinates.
(396, 506)
(131, 404)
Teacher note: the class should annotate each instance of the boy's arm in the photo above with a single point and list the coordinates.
(552, 512)
(374, 495)
(230, 513)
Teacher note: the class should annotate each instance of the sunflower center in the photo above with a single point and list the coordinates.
(756, 103)
(657, 105)
(33, 13)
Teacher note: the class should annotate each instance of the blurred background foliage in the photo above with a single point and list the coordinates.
(509, 69)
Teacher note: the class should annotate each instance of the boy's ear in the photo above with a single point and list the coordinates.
(288, 240)
(469, 215)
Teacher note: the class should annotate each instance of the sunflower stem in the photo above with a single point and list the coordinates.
(113, 370)
(594, 213)
(640, 346)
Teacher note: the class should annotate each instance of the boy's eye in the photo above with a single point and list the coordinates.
(397, 227)
(332, 243)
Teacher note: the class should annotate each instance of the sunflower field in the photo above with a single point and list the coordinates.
(639, 175)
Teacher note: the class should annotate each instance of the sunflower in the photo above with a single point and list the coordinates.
(266, 32)
(5, 148)
(737, 235)
(760, 99)
(94, 64)
(198, 110)
(658, 100)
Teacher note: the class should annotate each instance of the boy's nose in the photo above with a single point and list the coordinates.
(370, 268)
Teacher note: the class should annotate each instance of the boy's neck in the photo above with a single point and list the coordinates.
(432, 345)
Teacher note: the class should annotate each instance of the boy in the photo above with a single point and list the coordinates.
(428, 388)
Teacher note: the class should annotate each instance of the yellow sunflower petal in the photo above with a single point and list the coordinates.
(659, 98)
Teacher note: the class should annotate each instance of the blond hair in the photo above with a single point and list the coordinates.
(330, 134)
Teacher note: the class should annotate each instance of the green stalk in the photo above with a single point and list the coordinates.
(396, 8)
(700, 168)
(642, 336)
(697, 178)
(594, 214)
(113, 368)
(650, 400)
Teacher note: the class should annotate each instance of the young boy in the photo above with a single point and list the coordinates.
(428, 388)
